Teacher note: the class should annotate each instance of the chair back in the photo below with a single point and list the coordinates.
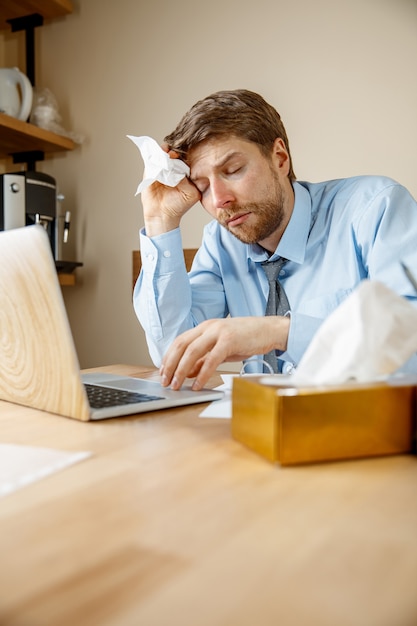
(189, 254)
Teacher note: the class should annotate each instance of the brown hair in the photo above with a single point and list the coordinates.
(241, 113)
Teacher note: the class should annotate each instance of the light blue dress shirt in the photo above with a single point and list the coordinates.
(340, 232)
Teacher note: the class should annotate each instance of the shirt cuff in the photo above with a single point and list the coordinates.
(163, 252)
(302, 330)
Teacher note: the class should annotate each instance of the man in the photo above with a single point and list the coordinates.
(330, 236)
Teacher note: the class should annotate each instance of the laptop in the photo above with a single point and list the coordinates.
(39, 366)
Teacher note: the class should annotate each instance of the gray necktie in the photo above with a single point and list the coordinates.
(277, 300)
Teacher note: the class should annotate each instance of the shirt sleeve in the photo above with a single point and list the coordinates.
(167, 300)
(386, 234)
(302, 330)
(162, 294)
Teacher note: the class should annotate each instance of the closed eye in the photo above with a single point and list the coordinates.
(201, 186)
(235, 170)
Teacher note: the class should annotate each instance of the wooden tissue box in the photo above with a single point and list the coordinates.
(290, 425)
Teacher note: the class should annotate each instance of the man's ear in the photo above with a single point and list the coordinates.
(280, 156)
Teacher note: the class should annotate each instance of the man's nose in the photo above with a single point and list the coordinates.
(221, 194)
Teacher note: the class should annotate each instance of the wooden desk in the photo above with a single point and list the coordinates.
(172, 522)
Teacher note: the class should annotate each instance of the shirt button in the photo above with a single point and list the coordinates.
(167, 254)
(282, 272)
(150, 257)
(288, 367)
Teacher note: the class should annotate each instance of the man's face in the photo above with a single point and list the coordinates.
(248, 194)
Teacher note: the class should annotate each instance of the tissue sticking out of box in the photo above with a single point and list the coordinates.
(158, 164)
(369, 336)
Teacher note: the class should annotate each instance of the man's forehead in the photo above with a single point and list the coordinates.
(216, 151)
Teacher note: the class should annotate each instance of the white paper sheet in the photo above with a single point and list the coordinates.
(221, 408)
(23, 465)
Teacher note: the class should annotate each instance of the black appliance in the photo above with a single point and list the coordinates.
(31, 198)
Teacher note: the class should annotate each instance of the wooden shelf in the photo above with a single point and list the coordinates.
(49, 9)
(18, 136)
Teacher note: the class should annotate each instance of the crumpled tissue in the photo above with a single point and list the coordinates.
(158, 164)
(369, 336)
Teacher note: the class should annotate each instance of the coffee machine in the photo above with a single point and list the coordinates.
(30, 197)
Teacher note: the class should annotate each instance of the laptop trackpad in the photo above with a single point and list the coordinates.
(138, 385)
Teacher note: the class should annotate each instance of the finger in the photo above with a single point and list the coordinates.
(173, 154)
(194, 372)
(189, 190)
(208, 367)
(165, 146)
(174, 355)
(201, 359)
(189, 355)
(191, 363)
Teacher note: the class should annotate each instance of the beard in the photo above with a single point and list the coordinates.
(269, 215)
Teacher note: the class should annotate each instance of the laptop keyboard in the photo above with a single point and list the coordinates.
(101, 397)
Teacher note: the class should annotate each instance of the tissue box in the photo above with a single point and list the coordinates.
(290, 425)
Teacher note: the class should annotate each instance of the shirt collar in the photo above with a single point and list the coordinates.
(294, 240)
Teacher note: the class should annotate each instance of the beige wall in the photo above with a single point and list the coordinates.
(341, 72)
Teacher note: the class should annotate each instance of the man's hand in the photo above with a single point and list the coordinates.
(163, 207)
(199, 351)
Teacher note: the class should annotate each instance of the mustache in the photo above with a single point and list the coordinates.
(235, 209)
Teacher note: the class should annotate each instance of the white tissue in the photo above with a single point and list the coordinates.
(158, 164)
(369, 336)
